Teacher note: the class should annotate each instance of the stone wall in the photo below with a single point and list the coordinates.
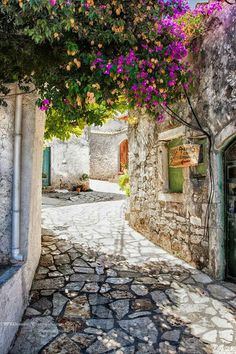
(95, 153)
(105, 149)
(69, 160)
(16, 281)
(214, 68)
(176, 221)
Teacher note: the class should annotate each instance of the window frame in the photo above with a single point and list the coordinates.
(163, 138)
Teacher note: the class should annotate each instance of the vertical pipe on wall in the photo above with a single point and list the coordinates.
(17, 181)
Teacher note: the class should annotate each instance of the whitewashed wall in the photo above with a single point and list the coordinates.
(69, 160)
(105, 149)
(15, 283)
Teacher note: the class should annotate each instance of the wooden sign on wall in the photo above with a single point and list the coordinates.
(184, 155)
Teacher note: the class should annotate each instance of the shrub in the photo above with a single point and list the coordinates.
(124, 183)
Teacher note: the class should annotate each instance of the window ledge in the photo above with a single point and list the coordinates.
(171, 197)
(172, 133)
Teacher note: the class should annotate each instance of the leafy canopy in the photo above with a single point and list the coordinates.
(88, 59)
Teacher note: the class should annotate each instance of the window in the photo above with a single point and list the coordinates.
(176, 179)
(201, 169)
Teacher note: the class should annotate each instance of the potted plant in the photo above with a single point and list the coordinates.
(84, 182)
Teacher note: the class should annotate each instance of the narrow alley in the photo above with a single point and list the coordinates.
(117, 177)
(101, 287)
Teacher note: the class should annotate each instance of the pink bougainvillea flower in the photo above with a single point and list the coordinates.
(44, 105)
(52, 2)
(160, 118)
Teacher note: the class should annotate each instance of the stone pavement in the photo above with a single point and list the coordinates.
(59, 199)
(103, 288)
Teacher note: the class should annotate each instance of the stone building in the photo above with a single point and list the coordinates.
(64, 162)
(101, 153)
(108, 150)
(21, 130)
(170, 205)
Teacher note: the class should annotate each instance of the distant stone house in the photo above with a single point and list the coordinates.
(108, 150)
(64, 162)
(191, 211)
(100, 153)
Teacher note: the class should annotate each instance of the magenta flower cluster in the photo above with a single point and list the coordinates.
(54, 2)
(150, 73)
(45, 104)
(208, 9)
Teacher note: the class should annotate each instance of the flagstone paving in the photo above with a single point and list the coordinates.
(103, 288)
(65, 198)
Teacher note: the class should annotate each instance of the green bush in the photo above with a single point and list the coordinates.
(84, 177)
(124, 184)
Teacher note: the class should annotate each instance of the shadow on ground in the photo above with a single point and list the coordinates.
(59, 199)
(83, 301)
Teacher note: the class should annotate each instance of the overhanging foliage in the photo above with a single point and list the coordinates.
(84, 57)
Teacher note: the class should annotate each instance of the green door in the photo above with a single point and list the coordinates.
(230, 211)
(46, 167)
(176, 179)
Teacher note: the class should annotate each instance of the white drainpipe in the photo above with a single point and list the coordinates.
(17, 181)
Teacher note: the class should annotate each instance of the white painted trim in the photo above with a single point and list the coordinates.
(96, 132)
(172, 133)
(123, 140)
(171, 197)
(224, 137)
(163, 165)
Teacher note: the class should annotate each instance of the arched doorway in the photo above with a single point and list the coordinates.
(124, 151)
(230, 210)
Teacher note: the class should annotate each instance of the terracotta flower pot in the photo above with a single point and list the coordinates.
(85, 186)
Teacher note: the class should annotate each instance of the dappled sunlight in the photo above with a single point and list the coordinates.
(99, 292)
(98, 303)
(206, 308)
(103, 226)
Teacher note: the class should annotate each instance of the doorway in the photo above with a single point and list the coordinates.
(124, 152)
(46, 173)
(230, 210)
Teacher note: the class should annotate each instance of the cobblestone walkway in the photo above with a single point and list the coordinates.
(87, 298)
(59, 199)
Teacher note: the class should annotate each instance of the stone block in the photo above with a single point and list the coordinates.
(195, 221)
(196, 239)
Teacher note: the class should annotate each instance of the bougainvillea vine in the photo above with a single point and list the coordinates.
(88, 57)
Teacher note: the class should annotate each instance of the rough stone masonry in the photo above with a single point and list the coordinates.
(176, 221)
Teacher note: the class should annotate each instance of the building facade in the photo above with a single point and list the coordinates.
(108, 150)
(64, 162)
(101, 153)
(21, 129)
(191, 211)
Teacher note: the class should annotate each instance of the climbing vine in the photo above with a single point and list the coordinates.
(90, 58)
